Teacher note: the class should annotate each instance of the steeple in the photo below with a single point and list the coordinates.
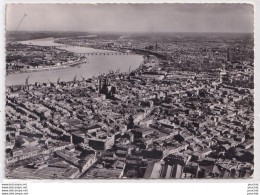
(26, 80)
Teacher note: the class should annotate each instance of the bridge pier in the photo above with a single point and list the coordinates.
(106, 53)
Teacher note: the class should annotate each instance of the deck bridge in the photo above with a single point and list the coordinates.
(104, 53)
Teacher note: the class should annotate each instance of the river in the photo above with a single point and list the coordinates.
(95, 65)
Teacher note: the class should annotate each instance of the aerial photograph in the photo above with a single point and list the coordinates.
(129, 91)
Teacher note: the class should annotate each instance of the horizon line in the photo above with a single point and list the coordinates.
(72, 31)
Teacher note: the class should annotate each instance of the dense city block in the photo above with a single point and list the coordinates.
(186, 112)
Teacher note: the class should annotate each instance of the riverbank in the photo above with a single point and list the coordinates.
(92, 48)
(49, 68)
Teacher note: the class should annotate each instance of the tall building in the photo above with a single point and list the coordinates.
(106, 88)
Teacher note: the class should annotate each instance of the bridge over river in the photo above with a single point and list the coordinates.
(104, 53)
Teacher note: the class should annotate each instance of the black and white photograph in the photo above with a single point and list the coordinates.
(129, 91)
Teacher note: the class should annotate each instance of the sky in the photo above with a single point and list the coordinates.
(232, 18)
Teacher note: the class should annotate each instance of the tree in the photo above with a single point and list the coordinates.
(19, 142)
(231, 152)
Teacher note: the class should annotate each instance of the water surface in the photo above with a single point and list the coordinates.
(95, 65)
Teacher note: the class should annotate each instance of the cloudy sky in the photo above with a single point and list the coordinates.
(131, 17)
